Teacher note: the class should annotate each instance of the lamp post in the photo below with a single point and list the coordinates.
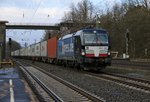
(97, 21)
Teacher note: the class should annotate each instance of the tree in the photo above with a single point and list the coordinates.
(134, 16)
(146, 3)
(51, 33)
(79, 14)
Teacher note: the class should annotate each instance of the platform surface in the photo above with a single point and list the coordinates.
(12, 87)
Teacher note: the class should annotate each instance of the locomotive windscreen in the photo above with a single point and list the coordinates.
(95, 37)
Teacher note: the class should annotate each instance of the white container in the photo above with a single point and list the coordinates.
(29, 51)
(17, 53)
(43, 51)
(37, 49)
(32, 50)
(26, 52)
(12, 53)
(22, 52)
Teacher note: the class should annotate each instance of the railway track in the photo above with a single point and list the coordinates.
(59, 89)
(134, 83)
(133, 64)
(49, 96)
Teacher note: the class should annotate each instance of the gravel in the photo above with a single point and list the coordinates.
(131, 72)
(109, 91)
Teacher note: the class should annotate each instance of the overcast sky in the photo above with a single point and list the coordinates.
(38, 11)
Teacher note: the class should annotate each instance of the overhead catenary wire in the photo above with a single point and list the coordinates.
(23, 20)
(35, 13)
(35, 10)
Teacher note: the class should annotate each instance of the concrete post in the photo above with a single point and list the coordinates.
(3, 39)
(127, 43)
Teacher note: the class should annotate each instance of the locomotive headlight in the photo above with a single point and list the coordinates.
(82, 52)
(108, 53)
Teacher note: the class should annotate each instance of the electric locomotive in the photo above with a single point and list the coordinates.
(87, 49)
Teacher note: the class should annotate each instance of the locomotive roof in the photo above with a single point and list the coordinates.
(83, 30)
(97, 30)
(66, 36)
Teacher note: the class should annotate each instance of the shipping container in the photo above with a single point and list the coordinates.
(29, 50)
(17, 53)
(37, 49)
(32, 50)
(44, 49)
(26, 52)
(52, 47)
(13, 53)
(22, 52)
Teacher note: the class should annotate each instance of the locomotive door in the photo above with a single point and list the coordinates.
(77, 46)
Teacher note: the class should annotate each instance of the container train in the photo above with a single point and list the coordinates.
(87, 49)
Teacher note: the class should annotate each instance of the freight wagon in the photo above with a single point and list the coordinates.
(43, 52)
(52, 50)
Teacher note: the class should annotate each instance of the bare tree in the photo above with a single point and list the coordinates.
(14, 45)
(82, 12)
(146, 3)
(51, 33)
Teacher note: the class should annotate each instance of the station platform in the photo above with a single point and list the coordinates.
(13, 88)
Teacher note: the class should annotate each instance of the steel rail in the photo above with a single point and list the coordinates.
(46, 89)
(138, 83)
(131, 78)
(90, 96)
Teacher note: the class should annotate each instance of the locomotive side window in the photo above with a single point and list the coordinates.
(77, 45)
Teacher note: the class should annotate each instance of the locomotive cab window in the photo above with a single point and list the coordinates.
(95, 38)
